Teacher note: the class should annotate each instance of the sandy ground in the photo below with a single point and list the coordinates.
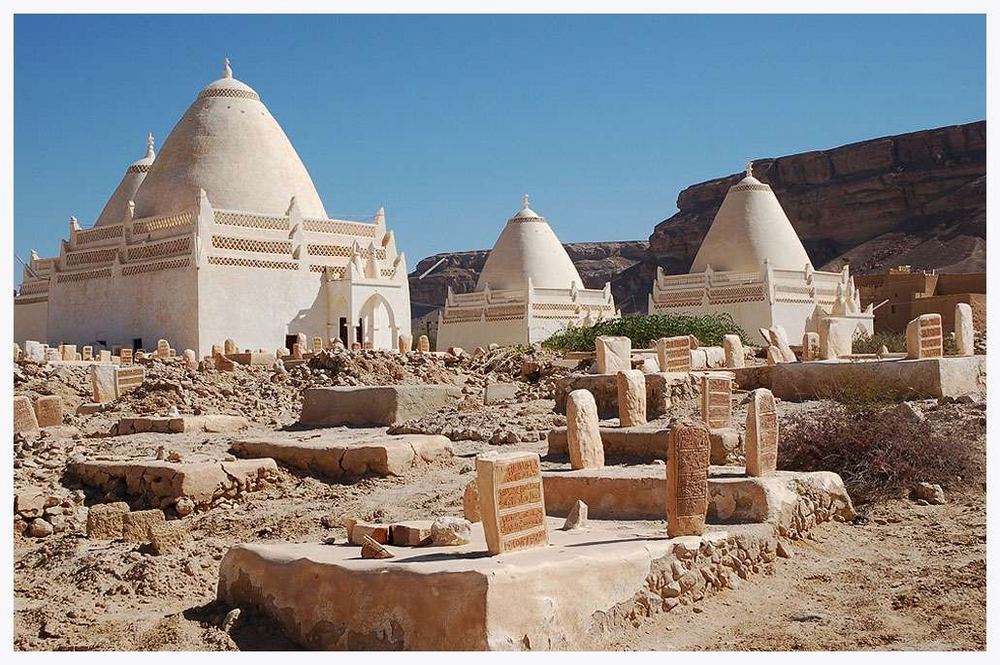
(911, 577)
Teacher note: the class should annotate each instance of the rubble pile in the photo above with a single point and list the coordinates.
(498, 424)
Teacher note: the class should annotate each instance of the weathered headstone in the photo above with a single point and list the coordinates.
(102, 383)
(49, 411)
(368, 346)
(762, 434)
(965, 334)
(732, 345)
(674, 353)
(296, 351)
(423, 344)
(106, 521)
(24, 415)
(229, 347)
(128, 378)
(511, 501)
(836, 337)
(924, 337)
(810, 346)
(52, 355)
(217, 350)
(774, 356)
(126, 356)
(68, 351)
(317, 344)
(88, 353)
(631, 397)
(162, 348)
(470, 501)
(687, 478)
(779, 338)
(34, 350)
(302, 341)
(613, 354)
(104, 356)
(190, 359)
(583, 434)
(717, 399)
(405, 343)
(136, 525)
(17, 352)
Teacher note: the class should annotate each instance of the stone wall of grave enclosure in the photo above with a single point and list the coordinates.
(31, 321)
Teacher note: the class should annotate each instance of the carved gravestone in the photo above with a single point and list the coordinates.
(810, 346)
(674, 353)
(317, 344)
(583, 434)
(762, 434)
(102, 383)
(229, 347)
(49, 410)
(836, 337)
(423, 344)
(128, 378)
(631, 386)
(68, 351)
(296, 351)
(613, 354)
(24, 415)
(716, 399)
(732, 346)
(162, 348)
(924, 337)
(779, 338)
(52, 355)
(88, 353)
(405, 343)
(34, 350)
(126, 356)
(687, 478)
(511, 501)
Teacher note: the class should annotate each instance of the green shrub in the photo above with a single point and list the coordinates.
(644, 330)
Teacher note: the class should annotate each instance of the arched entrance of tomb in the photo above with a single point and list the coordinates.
(378, 324)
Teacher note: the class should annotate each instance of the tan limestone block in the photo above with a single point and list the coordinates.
(631, 397)
(162, 348)
(190, 359)
(405, 343)
(102, 383)
(774, 356)
(732, 346)
(24, 415)
(762, 434)
(674, 353)
(68, 351)
(166, 537)
(924, 337)
(413, 533)
(106, 521)
(965, 334)
(49, 411)
(779, 338)
(836, 337)
(229, 346)
(470, 502)
(423, 344)
(613, 354)
(583, 431)
(810, 346)
(87, 353)
(317, 344)
(717, 399)
(511, 501)
(372, 549)
(361, 530)
(687, 478)
(136, 525)
(126, 356)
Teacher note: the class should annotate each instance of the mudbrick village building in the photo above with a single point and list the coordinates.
(528, 290)
(222, 235)
(752, 265)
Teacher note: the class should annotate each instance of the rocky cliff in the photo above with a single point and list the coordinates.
(917, 199)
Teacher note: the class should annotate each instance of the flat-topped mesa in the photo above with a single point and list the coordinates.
(528, 290)
(256, 257)
(752, 265)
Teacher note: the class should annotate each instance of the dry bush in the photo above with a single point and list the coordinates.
(879, 451)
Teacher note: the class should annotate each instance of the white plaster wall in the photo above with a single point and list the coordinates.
(31, 322)
(469, 335)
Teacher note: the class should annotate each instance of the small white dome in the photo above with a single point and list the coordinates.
(114, 209)
(528, 249)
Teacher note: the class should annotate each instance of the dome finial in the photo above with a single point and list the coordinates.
(524, 201)
(149, 146)
(227, 71)
(749, 169)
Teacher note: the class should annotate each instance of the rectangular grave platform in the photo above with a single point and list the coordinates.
(646, 443)
(336, 453)
(218, 424)
(159, 484)
(577, 589)
(908, 379)
(373, 406)
(604, 387)
(786, 499)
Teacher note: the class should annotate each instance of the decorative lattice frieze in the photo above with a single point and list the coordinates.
(232, 93)
(91, 256)
(150, 224)
(238, 262)
(99, 233)
(31, 300)
(160, 249)
(340, 227)
(82, 276)
(252, 245)
(29, 288)
(138, 168)
(247, 220)
(141, 268)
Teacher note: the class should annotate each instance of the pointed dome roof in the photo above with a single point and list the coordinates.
(114, 209)
(749, 228)
(528, 248)
(230, 145)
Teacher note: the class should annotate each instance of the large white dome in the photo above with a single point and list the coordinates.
(528, 248)
(230, 145)
(114, 209)
(749, 228)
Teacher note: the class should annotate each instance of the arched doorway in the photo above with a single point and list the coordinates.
(378, 323)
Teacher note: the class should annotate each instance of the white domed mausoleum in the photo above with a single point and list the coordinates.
(222, 235)
(752, 265)
(528, 290)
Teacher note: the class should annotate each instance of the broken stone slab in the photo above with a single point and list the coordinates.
(646, 443)
(604, 388)
(106, 521)
(252, 358)
(577, 517)
(903, 378)
(792, 501)
(373, 406)
(160, 484)
(372, 549)
(49, 411)
(357, 532)
(336, 453)
(412, 533)
(216, 423)
(327, 597)
(25, 421)
(613, 354)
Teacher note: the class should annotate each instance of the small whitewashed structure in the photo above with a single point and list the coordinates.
(222, 235)
(752, 265)
(528, 290)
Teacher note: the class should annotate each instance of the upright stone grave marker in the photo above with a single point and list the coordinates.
(631, 397)
(68, 351)
(511, 501)
(128, 378)
(732, 346)
(762, 434)
(229, 347)
(24, 415)
(88, 353)
(317, 344)
(49, 411)
(614, 354)
(34, 350)
(717, 399)
(126, 356)
(583, 434)
(687, 478)
(102, 383)
(162, 348)
(810, 346)
(423, 344)
(779, 338)
(104, 356)
(965, 335)
(405, 343)
(674, 354)
(924, 337)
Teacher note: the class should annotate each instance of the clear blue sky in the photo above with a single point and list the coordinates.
(447, 120)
